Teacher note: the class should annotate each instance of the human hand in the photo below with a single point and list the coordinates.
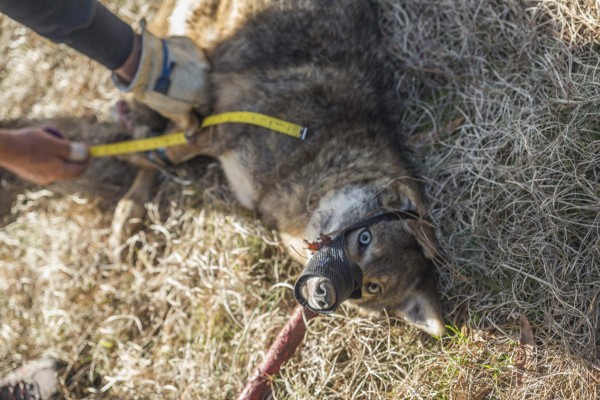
(171, 78)
(41, 157)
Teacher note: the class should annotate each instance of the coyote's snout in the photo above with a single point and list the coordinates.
(318, 64)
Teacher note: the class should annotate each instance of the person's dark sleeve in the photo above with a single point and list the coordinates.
(85, 25)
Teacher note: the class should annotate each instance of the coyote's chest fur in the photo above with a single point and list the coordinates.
(318, 64)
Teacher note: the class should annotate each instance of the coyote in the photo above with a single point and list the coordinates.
(318, 64)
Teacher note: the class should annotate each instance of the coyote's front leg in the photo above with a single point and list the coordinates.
(130, 210)
(139, 121)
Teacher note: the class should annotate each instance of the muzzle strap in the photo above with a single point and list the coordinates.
(335, 279)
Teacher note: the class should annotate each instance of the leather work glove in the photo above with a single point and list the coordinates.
(171, 79)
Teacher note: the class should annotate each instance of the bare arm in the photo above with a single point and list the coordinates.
(39, 157)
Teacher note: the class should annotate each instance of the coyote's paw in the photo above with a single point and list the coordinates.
(138, 121)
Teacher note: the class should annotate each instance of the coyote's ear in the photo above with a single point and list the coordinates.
(425, 234)
(401, 196)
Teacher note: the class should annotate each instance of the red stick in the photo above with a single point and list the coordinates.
(281, 350)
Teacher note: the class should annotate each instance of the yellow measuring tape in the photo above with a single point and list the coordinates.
(178, 138)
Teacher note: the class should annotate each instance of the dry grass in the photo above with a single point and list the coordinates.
(514, 190)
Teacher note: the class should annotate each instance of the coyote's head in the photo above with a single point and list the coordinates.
(398, 275)
(395, 254)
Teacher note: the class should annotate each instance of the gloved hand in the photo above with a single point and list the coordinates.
(171, 78)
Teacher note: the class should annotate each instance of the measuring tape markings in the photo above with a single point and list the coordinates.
(178, 138)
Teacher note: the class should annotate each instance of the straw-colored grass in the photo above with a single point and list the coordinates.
(499, 102)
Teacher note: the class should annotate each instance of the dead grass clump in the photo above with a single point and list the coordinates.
(574, 20)
(508, 94)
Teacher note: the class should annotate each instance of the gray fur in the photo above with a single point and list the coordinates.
(319, 64)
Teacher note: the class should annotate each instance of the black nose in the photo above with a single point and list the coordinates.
(320, 295)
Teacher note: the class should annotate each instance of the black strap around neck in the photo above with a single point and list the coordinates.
(392, 215)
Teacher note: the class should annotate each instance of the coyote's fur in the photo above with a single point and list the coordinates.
(319, 64)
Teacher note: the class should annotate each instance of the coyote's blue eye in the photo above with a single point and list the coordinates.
(364, 238)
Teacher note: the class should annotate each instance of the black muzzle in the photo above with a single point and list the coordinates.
(328, 279)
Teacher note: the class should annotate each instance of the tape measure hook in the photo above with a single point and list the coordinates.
(303, 133)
